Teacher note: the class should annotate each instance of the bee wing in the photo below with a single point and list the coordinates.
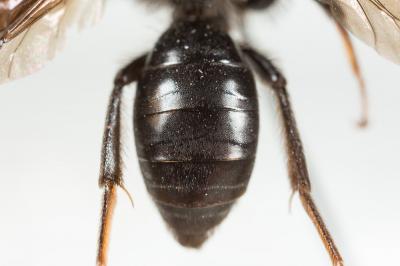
(376, 22)
(40, 38)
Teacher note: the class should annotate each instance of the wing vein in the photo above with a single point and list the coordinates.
(382, 7)
(369, 22)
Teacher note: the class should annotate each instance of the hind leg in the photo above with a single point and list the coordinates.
(355, 67)
(111, 162)
(298, 172)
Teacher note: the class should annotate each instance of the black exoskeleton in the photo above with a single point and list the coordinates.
(196, 124)
(196, 127)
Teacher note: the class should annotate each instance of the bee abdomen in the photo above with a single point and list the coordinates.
(196, 130)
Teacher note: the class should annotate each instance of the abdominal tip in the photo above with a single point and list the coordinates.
(191, 240)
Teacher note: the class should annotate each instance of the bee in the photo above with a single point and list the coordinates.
(196, 110)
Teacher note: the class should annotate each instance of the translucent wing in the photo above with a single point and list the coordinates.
(31, 38)
(376, 22)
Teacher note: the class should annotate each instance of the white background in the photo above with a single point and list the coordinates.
(51, 131)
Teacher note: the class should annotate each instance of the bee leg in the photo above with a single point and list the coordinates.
(111, 162)
(355, 67)
(297, 167)
(351, 56)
